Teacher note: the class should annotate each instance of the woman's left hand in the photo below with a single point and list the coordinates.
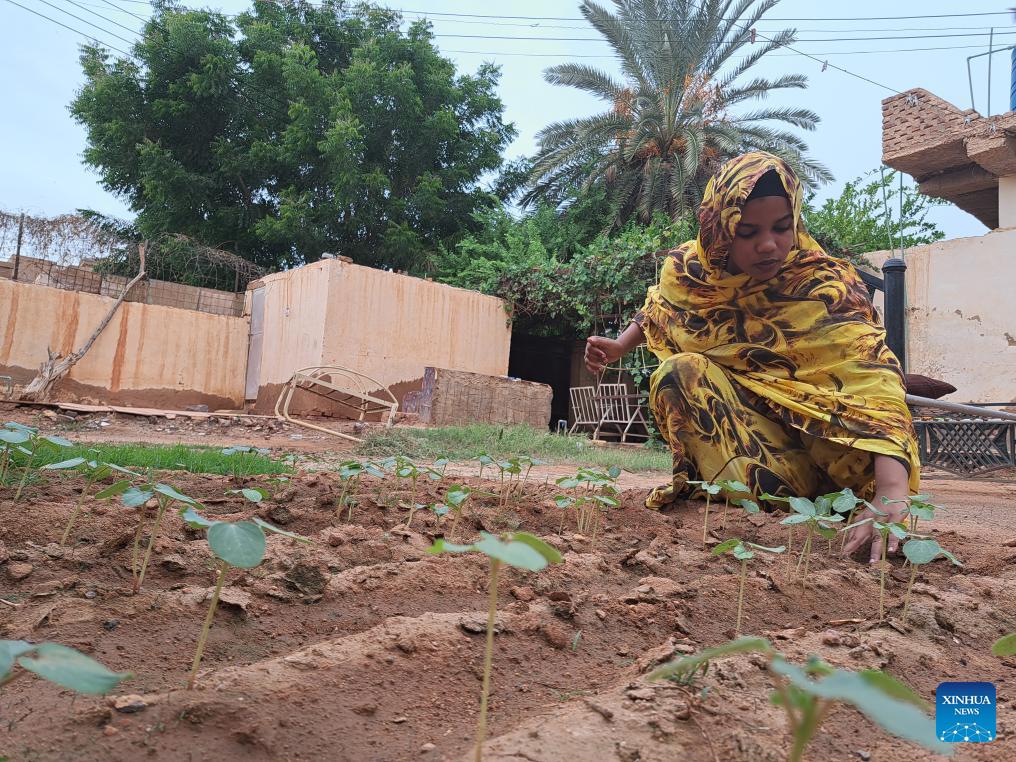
(862, 535)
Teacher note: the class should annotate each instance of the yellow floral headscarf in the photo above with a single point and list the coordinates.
(808, 341)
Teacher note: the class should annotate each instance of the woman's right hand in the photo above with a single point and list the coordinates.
(601, 352)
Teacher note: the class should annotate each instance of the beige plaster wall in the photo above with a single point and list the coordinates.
(148, 355)
(961, 314)
(392, 326)
(296, 306)
(385, 325)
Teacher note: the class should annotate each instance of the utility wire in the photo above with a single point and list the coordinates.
(70, 28)
(84, 21)
(580, 18)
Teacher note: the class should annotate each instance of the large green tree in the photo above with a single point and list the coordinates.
(874, 212)
(294, 129)
(679, 110)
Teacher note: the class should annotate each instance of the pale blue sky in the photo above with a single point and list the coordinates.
(42, 169)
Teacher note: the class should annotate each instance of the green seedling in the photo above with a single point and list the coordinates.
(36, 445)
(710, 489)
(58, 664)
(136, 497)
(408, 470)
(350, 472)
(592, 491)
(918, 507)
(743, 552)
(529, 462)
(750, 507)
(517, 470)
(817, 518)
(920, 552)
(456, 498)
(521, 550)
(730, 487)
(238, 545)
(884, 529)
(249, 494)
(513, 468)
(442, 463)
(13, 437)
(1005, 646)
(93, 471)
(237, 461)
(807, 695)
(485, 460)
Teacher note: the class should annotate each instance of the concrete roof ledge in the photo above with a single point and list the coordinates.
(954, 154)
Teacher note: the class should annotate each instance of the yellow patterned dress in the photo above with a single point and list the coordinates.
(786, 384)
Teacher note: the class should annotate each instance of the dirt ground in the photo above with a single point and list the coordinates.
(360, 646)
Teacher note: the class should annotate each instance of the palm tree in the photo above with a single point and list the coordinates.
(675, 118)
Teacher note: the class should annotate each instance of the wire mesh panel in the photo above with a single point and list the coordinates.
(77, 254)
(967, 447)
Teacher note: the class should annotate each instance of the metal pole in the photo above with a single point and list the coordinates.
(970, 81)
(991, 45)
(902, 253)
(894, 272)
(17, 250)
(958, 407)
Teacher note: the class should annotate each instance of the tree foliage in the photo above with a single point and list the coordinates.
(556, 279)
(292, 130)
(866, 216)
(677, 114)
(562, 277)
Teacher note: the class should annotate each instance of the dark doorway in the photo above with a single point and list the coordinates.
(547, 360)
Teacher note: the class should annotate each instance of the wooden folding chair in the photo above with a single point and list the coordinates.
(585, 409)
(619, 409)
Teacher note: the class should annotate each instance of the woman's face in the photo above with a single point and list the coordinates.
(763, 238)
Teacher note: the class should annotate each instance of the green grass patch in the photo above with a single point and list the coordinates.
(196, 459)
(469, 442)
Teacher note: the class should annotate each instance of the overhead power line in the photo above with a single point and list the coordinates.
(70, 28)
(768, 18)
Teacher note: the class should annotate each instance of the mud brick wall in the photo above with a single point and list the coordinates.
(458, 397)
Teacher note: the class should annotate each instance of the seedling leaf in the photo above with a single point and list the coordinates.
(240, 544)
(691, 663)
(275, 530)
(901, 718)
(1005, 646)
(172, 494)
(64, 464)
(457, 494)
(724, 546)
(441, 546)
(71, 669)
(796, 518)
(117, 488)
(14, 437)
(890, 685)
(749, 506)
(133, 497)
(518, 554)
(59, 442)
(549, 552)
(9, 651)
(194, 519)
(803, 506)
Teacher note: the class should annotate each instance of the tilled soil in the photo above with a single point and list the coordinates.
(361, 646)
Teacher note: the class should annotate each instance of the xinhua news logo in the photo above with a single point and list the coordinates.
(965, 712)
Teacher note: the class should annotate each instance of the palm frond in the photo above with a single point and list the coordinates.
(584, 77)
(804, 118)
(760, 88)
